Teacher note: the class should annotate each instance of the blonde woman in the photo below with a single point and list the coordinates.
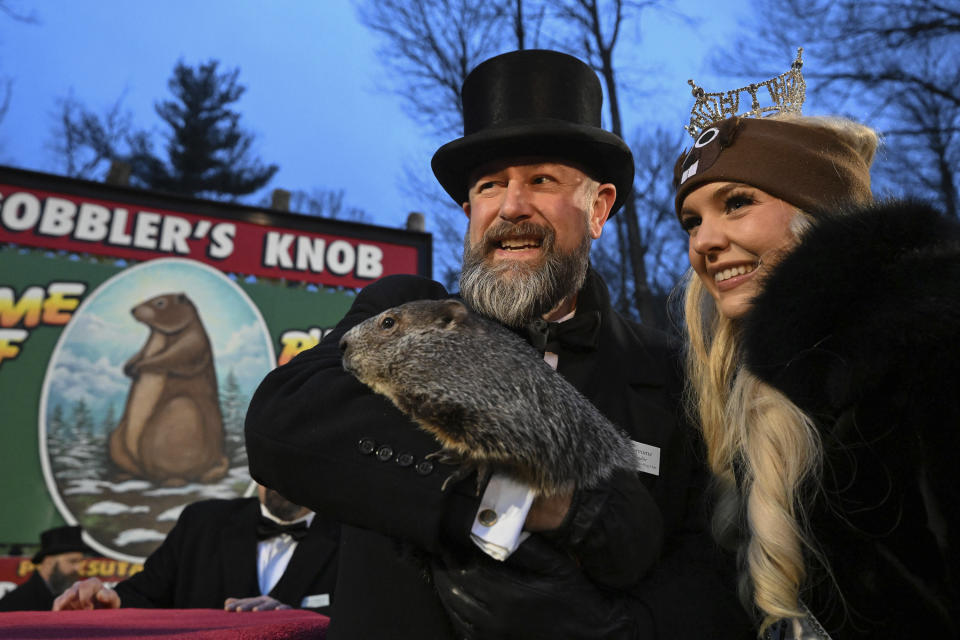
(823, 357)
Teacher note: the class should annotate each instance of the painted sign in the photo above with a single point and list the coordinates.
(125, 384)
(15, 570)
(258, 245)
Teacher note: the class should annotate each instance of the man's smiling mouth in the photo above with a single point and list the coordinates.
(520, 244)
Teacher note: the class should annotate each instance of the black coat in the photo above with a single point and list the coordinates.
(860, 326)
(211, 555)
(32, 595)
(324, 440)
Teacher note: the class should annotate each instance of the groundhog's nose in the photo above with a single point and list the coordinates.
(344, 343)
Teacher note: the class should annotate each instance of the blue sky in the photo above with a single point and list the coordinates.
(318, 99)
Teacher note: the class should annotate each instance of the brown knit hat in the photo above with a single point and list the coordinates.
(810, 167)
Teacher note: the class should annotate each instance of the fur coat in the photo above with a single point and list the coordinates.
(860, 327)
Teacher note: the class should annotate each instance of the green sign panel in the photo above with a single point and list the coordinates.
(126, 385)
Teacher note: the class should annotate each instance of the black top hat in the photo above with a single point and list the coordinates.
(60, 540)
(533, 103)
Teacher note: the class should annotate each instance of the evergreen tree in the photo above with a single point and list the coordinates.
(57, 427)
(208, 153)
(82, 420)
(109, 421)
(232, 403)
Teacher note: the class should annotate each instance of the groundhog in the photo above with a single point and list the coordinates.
(171, 431)
(486, 396)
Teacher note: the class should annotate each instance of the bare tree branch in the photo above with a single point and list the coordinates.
(326, 203)
(596, 25)
(895, 63)
(7, 8)
(431, 45)
(86, 141)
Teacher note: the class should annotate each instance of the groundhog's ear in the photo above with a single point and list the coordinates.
(454, 313)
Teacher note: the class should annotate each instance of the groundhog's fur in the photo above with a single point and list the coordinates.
(171, 431)
(486, 395)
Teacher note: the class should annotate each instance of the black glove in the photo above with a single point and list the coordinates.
(614, 530)
(538, 593)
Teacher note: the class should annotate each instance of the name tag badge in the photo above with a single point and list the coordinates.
(316, 601)
(648, 457)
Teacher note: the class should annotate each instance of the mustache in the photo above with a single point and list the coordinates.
(503, 230)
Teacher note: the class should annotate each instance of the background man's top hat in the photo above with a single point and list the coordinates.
(533, 103)
(60, 540)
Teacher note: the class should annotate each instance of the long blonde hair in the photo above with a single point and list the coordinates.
(764, 451)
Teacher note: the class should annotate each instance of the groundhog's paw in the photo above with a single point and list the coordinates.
(446, 456)
(466, 468)
(483, 474)
(456, 477)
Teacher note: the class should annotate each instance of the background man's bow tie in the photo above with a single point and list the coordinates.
(267, 528)
(579, 333)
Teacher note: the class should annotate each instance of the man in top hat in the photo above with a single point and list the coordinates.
(238, 554)
(57, 566)
(537, 178)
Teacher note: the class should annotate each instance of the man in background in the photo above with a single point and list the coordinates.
(58, 565)
(244, 554)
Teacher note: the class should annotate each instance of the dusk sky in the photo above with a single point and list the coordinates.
(318, 98)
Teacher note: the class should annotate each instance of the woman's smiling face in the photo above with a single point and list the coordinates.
(733, 229)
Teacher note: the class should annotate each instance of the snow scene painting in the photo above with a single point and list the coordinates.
(144, 399)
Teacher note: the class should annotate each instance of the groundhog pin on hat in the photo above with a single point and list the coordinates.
(60, 540)
(533, 103)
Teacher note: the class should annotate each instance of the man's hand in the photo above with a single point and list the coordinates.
(614, 530)
(547, 514)
(87, 594)
(539, 593)
(259, 603)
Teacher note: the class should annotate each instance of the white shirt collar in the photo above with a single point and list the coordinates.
(307, 518)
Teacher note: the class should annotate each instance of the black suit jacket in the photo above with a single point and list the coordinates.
(211, 554)
(32, 595)
(325, 440)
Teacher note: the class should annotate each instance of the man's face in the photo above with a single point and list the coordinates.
(64, 570)
(279, 506)
(528, 240)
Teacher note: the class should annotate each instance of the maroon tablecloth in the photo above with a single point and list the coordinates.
(161, 624)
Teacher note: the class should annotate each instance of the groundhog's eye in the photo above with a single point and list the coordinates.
(387, 323)
(159, 304)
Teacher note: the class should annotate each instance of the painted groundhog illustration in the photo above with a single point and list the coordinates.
(171, 431)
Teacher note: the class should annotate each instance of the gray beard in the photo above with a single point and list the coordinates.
(515, 293)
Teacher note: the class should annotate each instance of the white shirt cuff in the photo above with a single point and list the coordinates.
(498, 526)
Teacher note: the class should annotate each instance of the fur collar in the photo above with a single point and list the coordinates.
(869, 296)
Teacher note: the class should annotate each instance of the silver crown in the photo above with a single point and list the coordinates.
(787, 92)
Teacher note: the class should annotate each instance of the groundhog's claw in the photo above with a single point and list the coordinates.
(454, 477)
(457, 476)
(465, 469)
(483, 474)
(446, 456)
